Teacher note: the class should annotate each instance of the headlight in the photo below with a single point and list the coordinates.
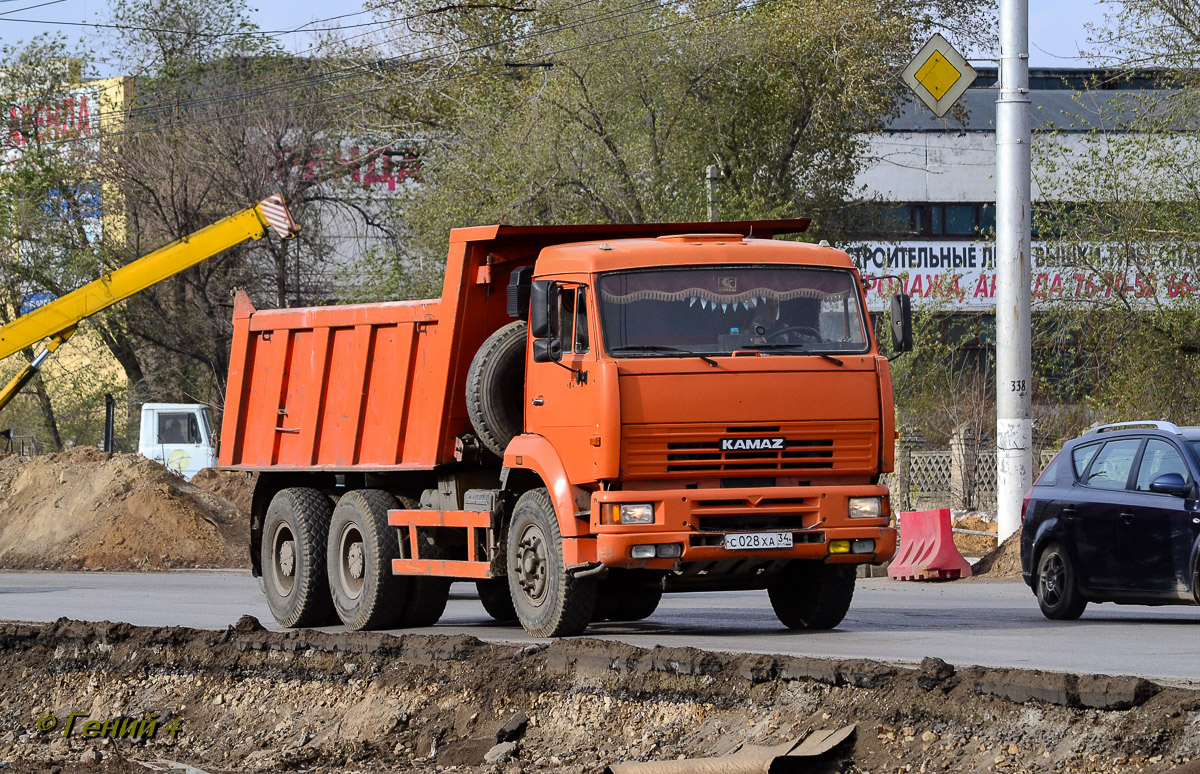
(629, 513)
(866, 507)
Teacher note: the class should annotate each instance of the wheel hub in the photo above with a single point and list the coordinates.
(354, 560)
(287, 558)
(283, 567)
(531, 565)
(1052, 579)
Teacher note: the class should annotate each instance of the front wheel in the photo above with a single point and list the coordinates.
(294, 559)
(1057, 587)
(811, 595)
(549, 601)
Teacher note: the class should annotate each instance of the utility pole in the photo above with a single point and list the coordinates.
(1014, 404)
(710, 186)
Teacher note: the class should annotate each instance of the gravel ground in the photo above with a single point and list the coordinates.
(253, 700)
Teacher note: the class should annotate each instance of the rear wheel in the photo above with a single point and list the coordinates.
(1057, 587)
(549, 601)
(496, 599)
(365, 593)
(426, 596)
(812, 595)
(293, 556)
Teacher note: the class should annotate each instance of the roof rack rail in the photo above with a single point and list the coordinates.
(1169, 427)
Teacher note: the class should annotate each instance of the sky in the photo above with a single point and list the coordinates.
(1056, 27)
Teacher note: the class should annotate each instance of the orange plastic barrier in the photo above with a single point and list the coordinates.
(927, 550)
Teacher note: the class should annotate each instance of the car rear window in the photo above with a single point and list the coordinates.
(1110, 469)
(1082, 456)
(1049, 476)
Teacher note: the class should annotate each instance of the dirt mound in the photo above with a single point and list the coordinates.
(234, 486)
(85, 509)
(974, 545)
(1004, 561)
(246, 700)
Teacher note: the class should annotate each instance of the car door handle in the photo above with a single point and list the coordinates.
(1127, 517)
(1068, 513)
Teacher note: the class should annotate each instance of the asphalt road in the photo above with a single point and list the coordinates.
(983, 622)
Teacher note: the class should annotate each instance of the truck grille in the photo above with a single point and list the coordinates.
(756, 512)
(681, 451)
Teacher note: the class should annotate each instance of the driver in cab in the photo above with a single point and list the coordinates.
(768, 328)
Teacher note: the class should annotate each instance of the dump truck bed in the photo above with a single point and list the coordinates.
(333, 387)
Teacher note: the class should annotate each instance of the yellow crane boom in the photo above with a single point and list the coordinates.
(57, 320)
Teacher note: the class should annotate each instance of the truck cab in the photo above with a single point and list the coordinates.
(179, 436)
(714, 395)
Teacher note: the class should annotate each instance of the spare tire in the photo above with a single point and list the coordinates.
(496, 387)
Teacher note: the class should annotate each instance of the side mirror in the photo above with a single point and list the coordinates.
(547, 350)
(1172, 484)
(901, 316)
(543, 308)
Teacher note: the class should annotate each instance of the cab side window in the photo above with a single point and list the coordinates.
(1160, 457)
(173, 428)
(572, 320)
(1113, 464)
(581, 322)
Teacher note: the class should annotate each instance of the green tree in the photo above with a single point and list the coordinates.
(610, 111)
(52, 240)
(222, 119)
(1121, 217)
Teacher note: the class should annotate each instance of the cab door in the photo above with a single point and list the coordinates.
(564, 397)
(182, 440)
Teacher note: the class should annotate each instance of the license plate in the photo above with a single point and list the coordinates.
(753, 541)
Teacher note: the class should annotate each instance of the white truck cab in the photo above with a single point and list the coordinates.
(178, 435)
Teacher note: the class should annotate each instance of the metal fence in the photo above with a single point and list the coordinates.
(948, 479)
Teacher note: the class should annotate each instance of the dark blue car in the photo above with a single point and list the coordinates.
(1114, 518)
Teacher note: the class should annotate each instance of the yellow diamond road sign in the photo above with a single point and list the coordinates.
(938, 75)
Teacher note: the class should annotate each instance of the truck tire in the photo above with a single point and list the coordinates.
(811, 595)
(1057, 588)
(426, 596)
(624, 602)
(496, 387)
(496, 599)
(549, 601)
(366, 595)
(293, 555)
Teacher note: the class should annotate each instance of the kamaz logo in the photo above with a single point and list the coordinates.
(751, 444)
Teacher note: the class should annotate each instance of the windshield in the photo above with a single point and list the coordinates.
(716, 310)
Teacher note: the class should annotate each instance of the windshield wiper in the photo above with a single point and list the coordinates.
(664, 348)
(795, 348)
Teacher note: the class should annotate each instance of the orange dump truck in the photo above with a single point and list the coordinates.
(588, 416)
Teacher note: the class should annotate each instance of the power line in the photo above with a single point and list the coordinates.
(374, 67)
(624, 11)
(30, 8)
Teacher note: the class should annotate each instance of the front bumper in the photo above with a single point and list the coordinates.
(698, 520)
